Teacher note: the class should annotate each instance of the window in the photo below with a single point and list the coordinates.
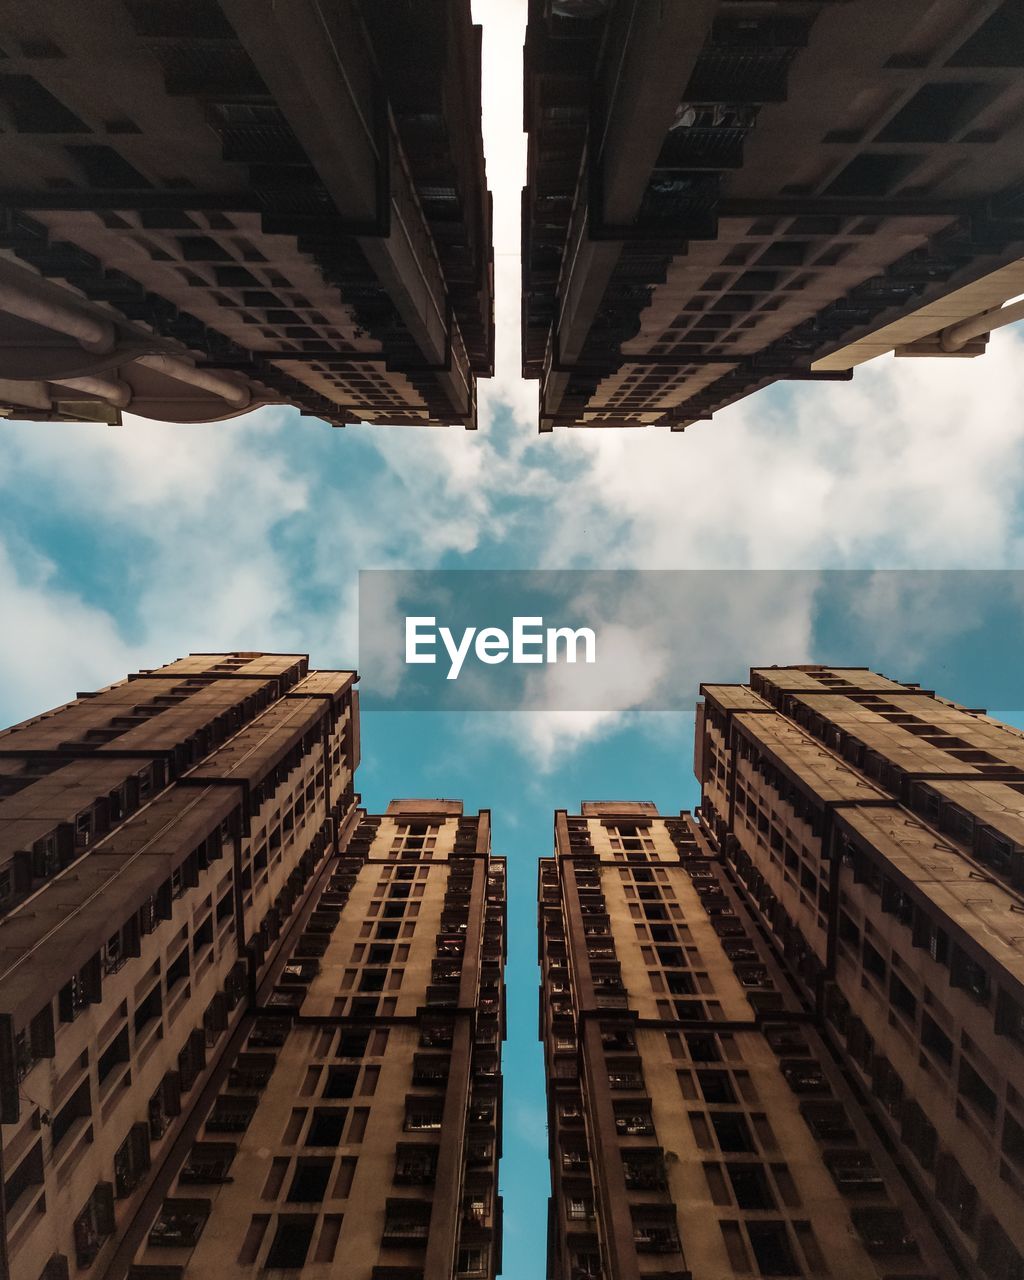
(633, 1120)
(1009, 1017)
(148, 1009)
(750, 1186)
(643, 1170)
(773, 1253)
(732, 1131)
(82, 990)
(310, 1181)
(326, 1127)
(973, 1087)
(203, 936)
(78, 1106)
(935, 1039)
(920, 1135)
(352, 1044)
(902, 997)
(115, 1053)
(716, 1086)
(131, 1160)
(406, 1223)
(997, 1256)
(341, 1082)
(874, 962)
(208, 1163)
(231, 1113)
(703, 1048)
(655, 1229)
(970, 976)
(884, 1231)
(94, 1224)
(291, 1243)
(471, 1263)
(415, 1165)
(28, 1174)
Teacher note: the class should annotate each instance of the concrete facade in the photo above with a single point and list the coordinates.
(699, 1125)
(721, 194)
(875, 828)
(241, 1019)
(207, 207)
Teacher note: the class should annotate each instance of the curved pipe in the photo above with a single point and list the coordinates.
(958, 335)
(91, 332)
(181, 371)
(112, 390)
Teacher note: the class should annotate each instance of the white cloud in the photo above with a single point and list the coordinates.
(250, 533)
(51, 642)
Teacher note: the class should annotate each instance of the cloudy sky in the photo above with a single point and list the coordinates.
(125, 547)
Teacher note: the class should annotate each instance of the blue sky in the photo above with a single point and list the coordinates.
(125, 547)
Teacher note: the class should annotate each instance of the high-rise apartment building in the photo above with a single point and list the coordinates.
(721, 194)
(876, 831)
(212, 205)
(699, 1126)
(244, 1026)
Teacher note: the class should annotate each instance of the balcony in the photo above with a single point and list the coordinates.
(787, 1040)
(415, 1166)
(482, 1114)
(208, 1163)
(805, 1077)
(635, 1125)
(269, 1033)
(854, 1173)
(180, 1224)
(828, 1121)
(252, 1071)
(884, 1232)
(420, 1119)
(644, 1173)
(656, 1237)
(231, 1113)
(579, 1209)
(617, 1041)
(300, 971)
(433, 1036)
(407, 1224)
(281, 999)
(430, 1072)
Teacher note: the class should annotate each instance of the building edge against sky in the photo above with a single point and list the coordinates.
(720, 195)
(876, 832)
(244, 1025)
(782, 1036)
(212, 206)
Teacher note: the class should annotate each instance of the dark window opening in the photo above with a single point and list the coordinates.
(291, 1243)
(326, 1127)
(310, 1182)
(772, 1250)
(732, 1131)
